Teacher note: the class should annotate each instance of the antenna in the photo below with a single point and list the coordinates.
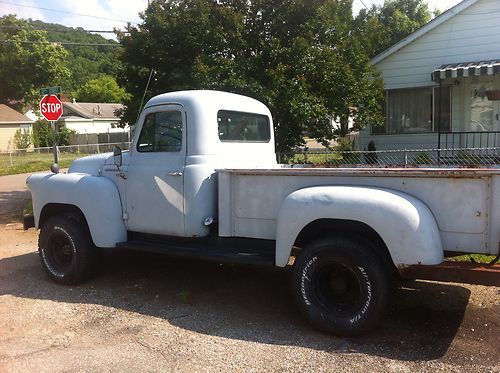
(144, 95)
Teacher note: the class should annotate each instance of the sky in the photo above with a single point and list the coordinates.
(107, 14)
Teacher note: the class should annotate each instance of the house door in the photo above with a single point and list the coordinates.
(155, 181)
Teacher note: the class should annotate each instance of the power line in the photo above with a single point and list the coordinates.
(62, 31)
(65, 12)
(62, 43)
(58, 30)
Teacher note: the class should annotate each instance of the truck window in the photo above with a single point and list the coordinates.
(243, 127)
(161, 132)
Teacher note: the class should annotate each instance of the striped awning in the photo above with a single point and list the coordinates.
(465, 69)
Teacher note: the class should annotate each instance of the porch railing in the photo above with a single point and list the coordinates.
(480, 140)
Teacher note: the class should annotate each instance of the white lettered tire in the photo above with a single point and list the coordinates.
(66, 249)
(341, 285)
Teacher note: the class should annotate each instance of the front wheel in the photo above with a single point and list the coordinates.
(66, 249)
(341, 286)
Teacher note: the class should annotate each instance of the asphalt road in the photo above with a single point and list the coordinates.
(155, 313)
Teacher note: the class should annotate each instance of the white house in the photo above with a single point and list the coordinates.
(442, 83)
(85, 117)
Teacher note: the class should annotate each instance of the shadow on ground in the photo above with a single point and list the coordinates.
(245, 303)
(12, 205)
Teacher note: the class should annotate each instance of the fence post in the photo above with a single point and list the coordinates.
(406, 157)
(10, 156)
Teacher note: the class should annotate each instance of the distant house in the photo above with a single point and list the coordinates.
(84, 117)
(10, 122)
(442, 83)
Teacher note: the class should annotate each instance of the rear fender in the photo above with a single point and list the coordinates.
(96, 197)
(404, 223)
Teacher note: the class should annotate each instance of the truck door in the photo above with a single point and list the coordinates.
(155, 181)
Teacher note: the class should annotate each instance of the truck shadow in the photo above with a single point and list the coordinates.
(244, 303)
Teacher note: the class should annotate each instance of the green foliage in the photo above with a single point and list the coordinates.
(22, 138)
(383, 26)
(102, 89)
(300, 57)
(27, 62)
(31, 162)
(423, 159)
(43, 137)
(85, 62)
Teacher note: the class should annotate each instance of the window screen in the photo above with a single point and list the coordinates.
(161, 132)
(243, 127)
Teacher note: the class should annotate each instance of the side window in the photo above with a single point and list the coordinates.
(161, 132)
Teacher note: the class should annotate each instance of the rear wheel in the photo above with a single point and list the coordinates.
(341, 285)
(66, 249)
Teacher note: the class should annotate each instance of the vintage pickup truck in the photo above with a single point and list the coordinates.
(201, 180)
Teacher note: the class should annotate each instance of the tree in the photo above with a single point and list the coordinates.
(300, 57)
(383, 26)
(43, 137)
(27, 61)
(22, 138)
(89, 55)
(102, 89)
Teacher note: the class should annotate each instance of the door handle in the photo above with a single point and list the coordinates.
(175, 173)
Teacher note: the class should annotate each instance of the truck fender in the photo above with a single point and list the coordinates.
(96, 197)
(405, 224)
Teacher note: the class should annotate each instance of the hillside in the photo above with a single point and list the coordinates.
(85, 62)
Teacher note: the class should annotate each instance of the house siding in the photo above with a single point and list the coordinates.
(470, 35)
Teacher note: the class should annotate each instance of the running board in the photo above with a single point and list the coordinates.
(221, 250)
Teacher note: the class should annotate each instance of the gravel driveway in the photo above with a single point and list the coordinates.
(149, 313)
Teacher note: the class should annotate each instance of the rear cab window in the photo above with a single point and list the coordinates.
(235, 126)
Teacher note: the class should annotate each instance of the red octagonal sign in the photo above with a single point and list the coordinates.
(51, 107)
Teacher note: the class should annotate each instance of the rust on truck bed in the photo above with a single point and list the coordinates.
(461, 272)
(469, 173)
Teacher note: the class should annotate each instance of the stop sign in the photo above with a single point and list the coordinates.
(51, 107)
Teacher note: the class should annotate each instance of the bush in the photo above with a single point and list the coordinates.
(22, 138)
(423, 159)
(42, 134)
(371, 158)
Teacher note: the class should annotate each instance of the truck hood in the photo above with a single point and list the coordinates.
(91, 164)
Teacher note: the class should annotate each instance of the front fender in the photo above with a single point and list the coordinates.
(97, 197)
(405, 223)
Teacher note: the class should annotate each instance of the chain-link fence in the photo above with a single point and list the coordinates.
(465, 157)
(26, 157)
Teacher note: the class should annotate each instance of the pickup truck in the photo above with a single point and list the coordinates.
(201, 180)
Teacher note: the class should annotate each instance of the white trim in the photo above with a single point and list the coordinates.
(18, 122)
(452, 12)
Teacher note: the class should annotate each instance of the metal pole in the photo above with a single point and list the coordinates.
(54, 141)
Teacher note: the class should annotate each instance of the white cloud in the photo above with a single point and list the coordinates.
(28, 11)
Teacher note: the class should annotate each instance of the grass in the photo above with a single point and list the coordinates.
(31, 162)
(478, 258)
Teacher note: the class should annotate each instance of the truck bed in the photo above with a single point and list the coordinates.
(465, 202)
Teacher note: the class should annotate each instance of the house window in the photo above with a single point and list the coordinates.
(416, 110)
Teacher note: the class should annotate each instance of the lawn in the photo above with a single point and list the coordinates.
(31, 162)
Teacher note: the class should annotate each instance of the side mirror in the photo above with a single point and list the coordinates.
(117, 155)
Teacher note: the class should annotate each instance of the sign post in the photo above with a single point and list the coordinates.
(52, 109)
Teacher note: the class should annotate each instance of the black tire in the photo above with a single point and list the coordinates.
(66, 249)
(341, 286)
